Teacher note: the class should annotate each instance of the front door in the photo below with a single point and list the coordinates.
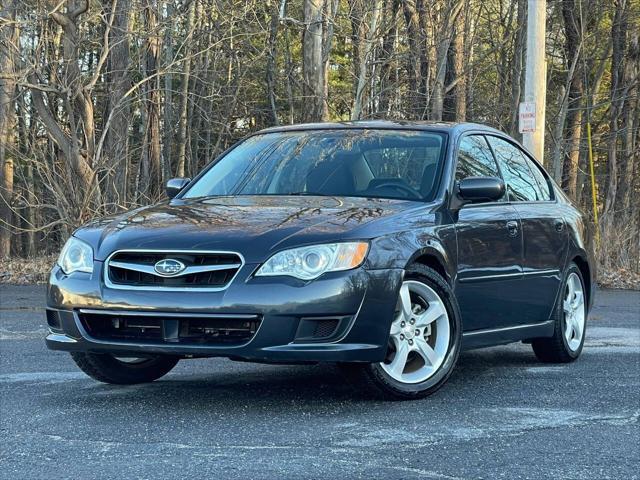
(490, 248)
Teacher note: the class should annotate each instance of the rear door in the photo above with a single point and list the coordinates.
(544, 230)
(489, 279)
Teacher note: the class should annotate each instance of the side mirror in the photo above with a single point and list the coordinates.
(175, 185)
(481, 189)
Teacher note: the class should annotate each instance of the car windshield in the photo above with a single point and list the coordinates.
(349, 163)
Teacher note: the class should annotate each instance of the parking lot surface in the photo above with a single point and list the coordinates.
(501, 415)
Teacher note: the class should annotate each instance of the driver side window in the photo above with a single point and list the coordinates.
(475, 159)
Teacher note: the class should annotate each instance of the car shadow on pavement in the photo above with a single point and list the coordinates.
(256, 386)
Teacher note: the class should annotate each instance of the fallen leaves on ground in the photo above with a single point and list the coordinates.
(26, 271)
(620, 278)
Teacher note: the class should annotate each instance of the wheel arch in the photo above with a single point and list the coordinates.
(435, 258)
(583, 265)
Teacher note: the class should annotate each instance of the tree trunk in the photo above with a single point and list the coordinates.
(629, 154)
(330, 12)
(71, 126)
(313, 65)
(8, 45)
(573, 49)
(455, 100)
(184, 94)
(618, 37)
(598, 65)
(418, 63)
(450, 16)
(460, 89)
(272, 60)
(289, 68)
(516, 69)
(168, 121)
(116, 143)
(356, 19)
(388, 48)
(26, 145)
(364, 56)
(151, 161)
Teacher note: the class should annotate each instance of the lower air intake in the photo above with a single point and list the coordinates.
(170, 328)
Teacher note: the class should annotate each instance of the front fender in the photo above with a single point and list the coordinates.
(400, 249)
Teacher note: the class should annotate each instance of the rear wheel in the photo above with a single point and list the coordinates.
(124, 370)
(424, 341)
(570, 322)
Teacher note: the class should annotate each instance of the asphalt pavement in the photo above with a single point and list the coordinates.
(501, 415)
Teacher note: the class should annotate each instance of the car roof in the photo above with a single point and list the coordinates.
(451, 127)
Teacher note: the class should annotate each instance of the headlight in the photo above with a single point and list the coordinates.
(307, 263)
(76, 256)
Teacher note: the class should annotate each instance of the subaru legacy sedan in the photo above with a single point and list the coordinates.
(384, 247)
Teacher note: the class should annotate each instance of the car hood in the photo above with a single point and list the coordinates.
(254, 226)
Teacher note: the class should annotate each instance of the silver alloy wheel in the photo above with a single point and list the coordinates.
(573, 306)
(419, 336)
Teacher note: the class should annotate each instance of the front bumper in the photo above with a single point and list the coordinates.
(365, 300)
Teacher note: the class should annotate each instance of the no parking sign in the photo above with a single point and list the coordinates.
(527, 117)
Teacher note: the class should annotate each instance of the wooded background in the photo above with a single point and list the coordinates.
(101, 101)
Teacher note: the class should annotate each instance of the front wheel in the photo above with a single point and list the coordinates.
(424, 340)
(124, 370)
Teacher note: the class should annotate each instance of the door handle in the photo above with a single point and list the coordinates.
(512, 226)
(559, 224)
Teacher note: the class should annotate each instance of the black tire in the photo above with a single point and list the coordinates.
(108, 369)
(372, 380)
(555, 349)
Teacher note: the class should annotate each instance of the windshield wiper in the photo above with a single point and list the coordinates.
(303, 194)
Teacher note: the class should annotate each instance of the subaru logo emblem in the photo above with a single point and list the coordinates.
(169, 267)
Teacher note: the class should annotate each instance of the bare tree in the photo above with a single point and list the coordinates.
(150, 174)
(630, 147)
(417, 60)
(389, 40)
(101, 101)
(313, 66)
(517, 72)
(184, 97)
(449, 13)
(8, 44)
(619, 37)
(116, 143)
(572, 15)
(363, 58)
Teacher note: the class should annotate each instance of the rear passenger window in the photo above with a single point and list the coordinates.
(475, 159)
(522, 186)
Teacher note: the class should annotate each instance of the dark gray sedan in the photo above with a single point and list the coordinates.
(385, 246)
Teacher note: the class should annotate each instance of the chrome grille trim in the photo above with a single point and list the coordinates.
(192, 269)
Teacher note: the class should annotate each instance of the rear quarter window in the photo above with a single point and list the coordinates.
(540, 177)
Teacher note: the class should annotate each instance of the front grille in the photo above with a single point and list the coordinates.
(170, 328)
(205, 270)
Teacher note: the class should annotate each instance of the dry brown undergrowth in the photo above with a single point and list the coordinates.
(22, 271)
(620, 278)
